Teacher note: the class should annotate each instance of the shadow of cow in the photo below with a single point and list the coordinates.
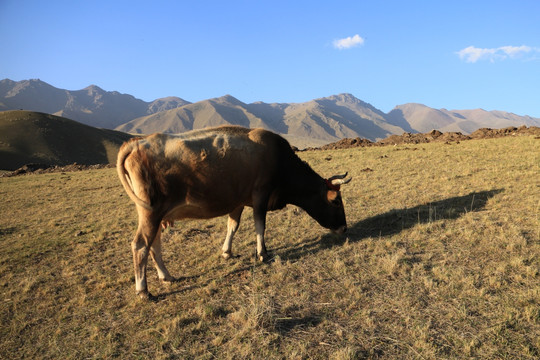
(395, 221)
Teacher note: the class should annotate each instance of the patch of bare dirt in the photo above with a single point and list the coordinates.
(346, 144)
(487, 133)
(434, 135)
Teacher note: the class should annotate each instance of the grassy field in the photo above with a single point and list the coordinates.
(442, 260)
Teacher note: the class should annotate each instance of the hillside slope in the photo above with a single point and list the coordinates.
(32, 137)
(225, 110)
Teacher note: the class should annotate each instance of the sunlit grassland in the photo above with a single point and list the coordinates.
(442, 260)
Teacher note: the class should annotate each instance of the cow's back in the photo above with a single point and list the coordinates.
(209, 152)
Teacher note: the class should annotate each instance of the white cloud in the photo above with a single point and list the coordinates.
(515, 51)
(348, 42)
(473, 54)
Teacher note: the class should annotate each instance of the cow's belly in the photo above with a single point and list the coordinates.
(198, 211)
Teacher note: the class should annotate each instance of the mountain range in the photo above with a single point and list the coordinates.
(91, 105)
(318, 121)
(311, 123)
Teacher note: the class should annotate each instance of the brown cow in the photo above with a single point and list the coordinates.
(213, 172)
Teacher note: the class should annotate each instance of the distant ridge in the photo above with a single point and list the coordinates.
(313, 123)
(91, 105)
(32, 137)
(318, 121)
(423, 119)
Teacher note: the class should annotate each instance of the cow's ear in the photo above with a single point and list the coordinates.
(331, 195)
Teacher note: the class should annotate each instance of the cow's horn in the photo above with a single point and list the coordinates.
(339, 179)
(338, 176)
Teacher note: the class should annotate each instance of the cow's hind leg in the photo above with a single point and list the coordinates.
(232, 226)
(146, 233)
(155, 253)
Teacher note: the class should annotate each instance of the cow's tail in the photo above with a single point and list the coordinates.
(125, 150)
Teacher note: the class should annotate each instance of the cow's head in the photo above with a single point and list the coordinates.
(327, 207)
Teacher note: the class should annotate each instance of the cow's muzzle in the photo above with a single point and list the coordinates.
(340, 231)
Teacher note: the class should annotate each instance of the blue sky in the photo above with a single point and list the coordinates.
(444, 54)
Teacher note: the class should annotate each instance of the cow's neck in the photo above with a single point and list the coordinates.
(303, 185)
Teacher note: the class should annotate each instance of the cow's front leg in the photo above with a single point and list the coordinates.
(232, 226)
(140, 247)
(259, 213)
(155, 253)
(260, 225)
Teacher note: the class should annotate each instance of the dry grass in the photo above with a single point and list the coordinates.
(442, 261)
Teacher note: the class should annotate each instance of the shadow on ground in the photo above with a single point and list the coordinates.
(395, 221)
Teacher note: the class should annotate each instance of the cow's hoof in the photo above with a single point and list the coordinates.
(263, 257)
(227, 255)
(168, 280)
(144, 295)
